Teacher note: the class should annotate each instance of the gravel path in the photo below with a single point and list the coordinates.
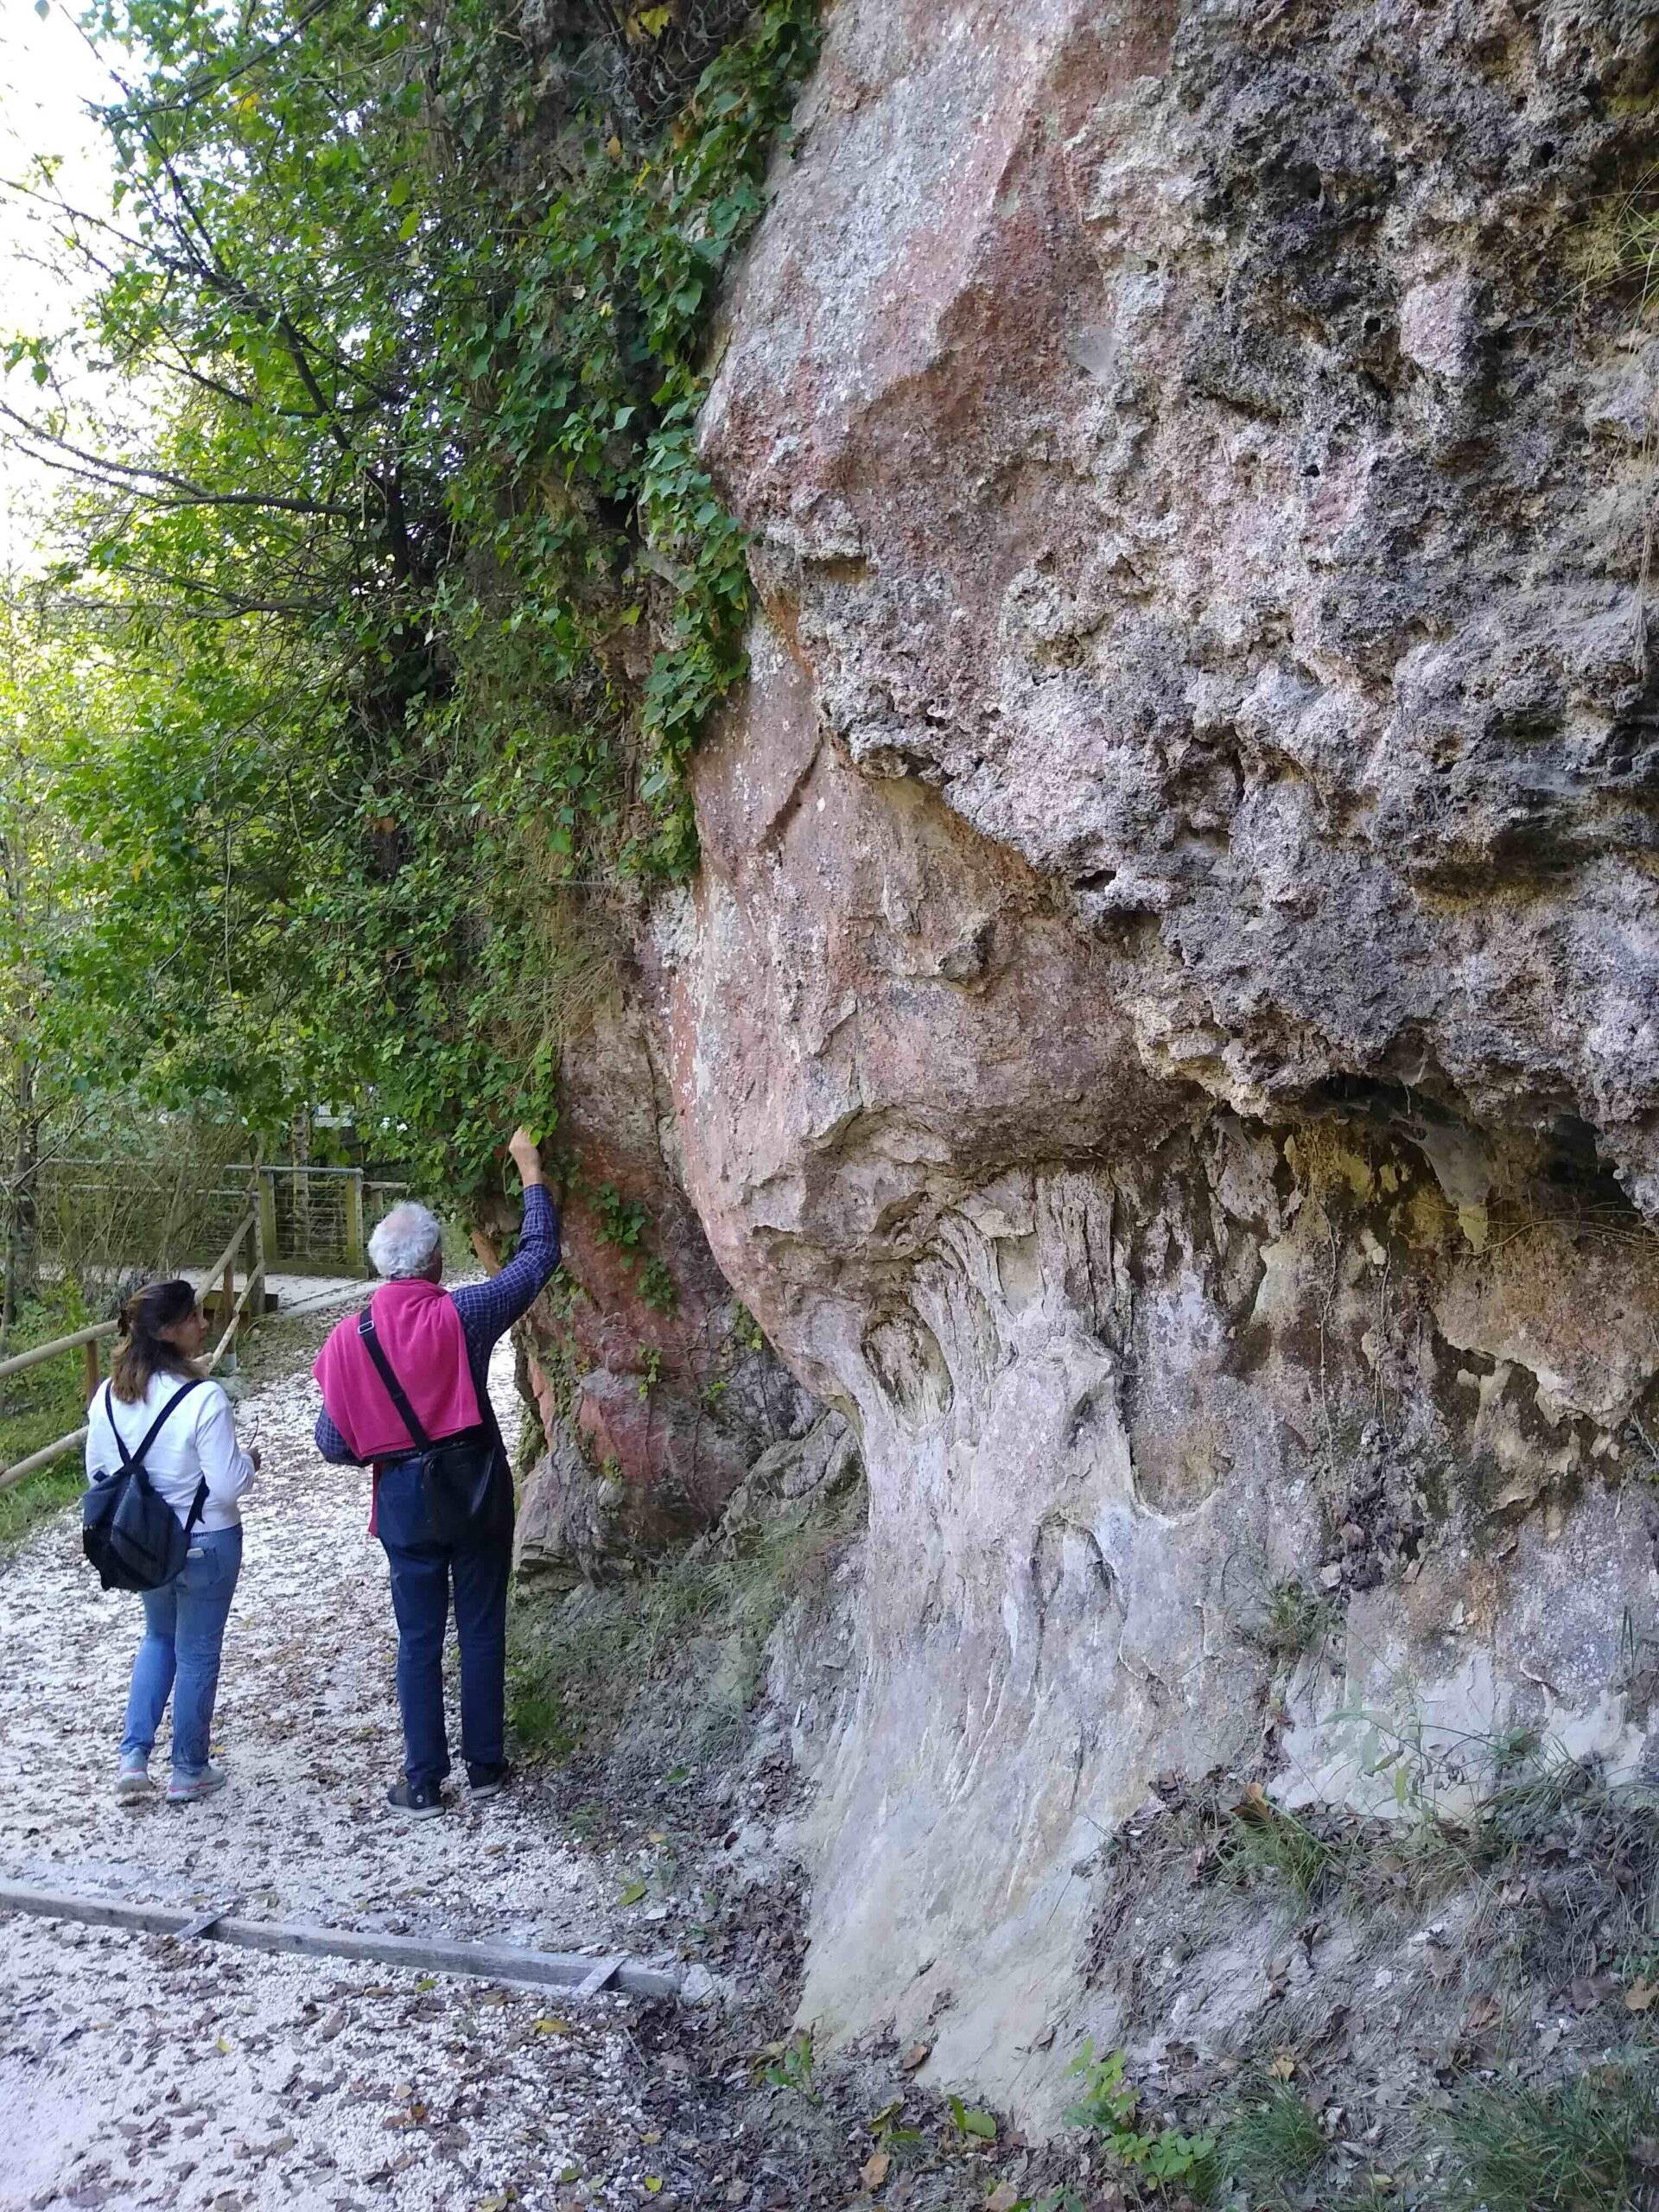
(134, 2070)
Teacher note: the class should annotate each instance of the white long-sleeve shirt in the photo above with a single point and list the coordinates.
(198, 1440)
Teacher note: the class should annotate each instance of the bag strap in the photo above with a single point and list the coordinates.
(197, 1507)
(136, 1459)
(395, 1389)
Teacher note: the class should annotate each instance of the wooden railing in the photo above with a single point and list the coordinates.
(223, 1272)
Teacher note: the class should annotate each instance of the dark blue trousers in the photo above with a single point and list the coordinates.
(423, 1574)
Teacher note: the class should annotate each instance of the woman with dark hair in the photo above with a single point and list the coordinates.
(162, 1329)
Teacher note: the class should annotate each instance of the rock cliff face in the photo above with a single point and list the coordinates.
(655, 1393)
(1164, 1037)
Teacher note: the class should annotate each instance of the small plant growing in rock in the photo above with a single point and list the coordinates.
(621, 1221)
(1264, 1840)
(1109, 2106)
(971, 2121)
(792, 2067)
(1298, 1620)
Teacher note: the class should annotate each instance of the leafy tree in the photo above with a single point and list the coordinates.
(414, 594)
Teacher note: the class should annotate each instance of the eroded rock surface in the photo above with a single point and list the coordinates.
(1164, 1037)
(655, 1392)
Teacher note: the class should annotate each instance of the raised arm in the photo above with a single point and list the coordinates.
(489, 1309)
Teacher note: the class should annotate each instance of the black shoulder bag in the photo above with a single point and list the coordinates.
(128, 1530)
(465, 1480)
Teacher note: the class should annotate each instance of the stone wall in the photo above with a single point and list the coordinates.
(1164, 1037)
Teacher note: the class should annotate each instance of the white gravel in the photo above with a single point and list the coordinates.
(134, 2070)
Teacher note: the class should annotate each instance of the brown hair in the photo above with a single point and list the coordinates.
(143, 1352)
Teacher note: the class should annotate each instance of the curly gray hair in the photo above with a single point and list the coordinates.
(405, 1242)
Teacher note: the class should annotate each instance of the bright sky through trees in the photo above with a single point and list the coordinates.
(49, 75)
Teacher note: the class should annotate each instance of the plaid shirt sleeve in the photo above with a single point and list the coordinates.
(333, 1445)
(488, 1310)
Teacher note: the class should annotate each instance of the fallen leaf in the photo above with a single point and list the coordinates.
(653, 2184)
(550, 2024)
(1282, 2066)
(915, 2056)
(1482, 2014)
(874, 2171)
(632, 1894)
(1003, 2198)
(223, 2046)
(1641, 1993)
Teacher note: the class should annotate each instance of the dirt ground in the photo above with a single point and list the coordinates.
(135, 2070)
(138, 2071)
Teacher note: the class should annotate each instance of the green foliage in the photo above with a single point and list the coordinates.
(1581, 2147)
(1108, 2106)
(621, 1221)
(1297, 1620)
(971, 2121)
(1274, 2142)
(1262, 1839)
(409, 600)
(792, 2068)
(40, 1406)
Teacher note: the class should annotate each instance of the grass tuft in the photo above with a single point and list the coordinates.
(1583, 2147)
(580, 1666)
(1272, 2143)
(1263, 1840)
(1298, 1620)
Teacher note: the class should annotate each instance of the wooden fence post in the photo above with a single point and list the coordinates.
(94, 1371)
(356, 1253)
(267, 1218)
(256, 1207)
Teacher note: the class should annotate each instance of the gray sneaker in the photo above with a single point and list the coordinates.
(185, 1788)
(133, 1780)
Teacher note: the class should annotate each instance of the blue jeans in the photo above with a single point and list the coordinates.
(422, 1573)
(184, 1628)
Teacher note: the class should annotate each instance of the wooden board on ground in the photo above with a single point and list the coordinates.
(572, 1972)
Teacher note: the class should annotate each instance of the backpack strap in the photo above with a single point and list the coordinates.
(199, 1504)
(197, 1507)
(134, 1459)
(395, 1389)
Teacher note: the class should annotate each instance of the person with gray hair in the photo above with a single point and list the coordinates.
(406, 1242)
(400, 1381)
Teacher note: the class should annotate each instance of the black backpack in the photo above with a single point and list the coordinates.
(128, 1530)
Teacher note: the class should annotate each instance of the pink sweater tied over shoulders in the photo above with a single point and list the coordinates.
(420, 1335)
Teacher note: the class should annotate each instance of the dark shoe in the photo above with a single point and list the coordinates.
(419, 1802)
(488, 1781)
